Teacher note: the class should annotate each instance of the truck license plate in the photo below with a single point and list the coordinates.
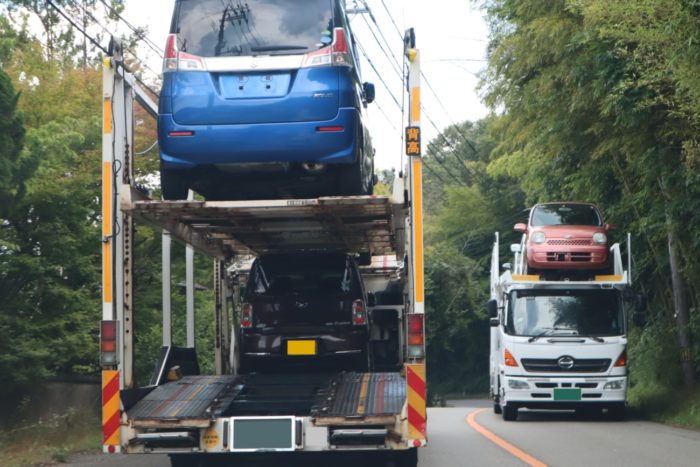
(567, 394)
(305, 347)
(263, 434)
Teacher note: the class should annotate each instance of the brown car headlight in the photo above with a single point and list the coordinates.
(600, 238)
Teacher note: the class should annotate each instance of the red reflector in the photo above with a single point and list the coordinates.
(247, 316)
(111, 449)
(415, 323)
(181, 133)
(330, 128)
(108, 330)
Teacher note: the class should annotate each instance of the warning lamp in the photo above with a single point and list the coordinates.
(247, 316)
(109, 347)
(509, 359)
(622, 359)
(416, 335)
(359, 313)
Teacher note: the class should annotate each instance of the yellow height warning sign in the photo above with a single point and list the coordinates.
(413, 141)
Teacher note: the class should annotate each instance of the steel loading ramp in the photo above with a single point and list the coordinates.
(224, 229)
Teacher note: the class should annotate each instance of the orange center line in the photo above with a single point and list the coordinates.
(502, 443)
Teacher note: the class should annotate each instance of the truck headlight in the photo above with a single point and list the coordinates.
(617, 384)
(515, 384)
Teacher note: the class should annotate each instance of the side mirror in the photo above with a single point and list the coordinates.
(639, 319)
(493, 322)
(492, 309)
(608, 227)
(371, 299)
(520, 227)
(368, 91)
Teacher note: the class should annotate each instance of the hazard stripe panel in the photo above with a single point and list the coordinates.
(110, 408)
(417, 416)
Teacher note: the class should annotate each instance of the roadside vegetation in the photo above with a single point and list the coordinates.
(594, 101)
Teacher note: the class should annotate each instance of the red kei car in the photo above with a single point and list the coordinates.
(566, 236)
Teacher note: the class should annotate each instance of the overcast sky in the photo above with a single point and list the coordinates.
(450, 34)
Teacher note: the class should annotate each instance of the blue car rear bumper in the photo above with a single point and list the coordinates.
(259, 143)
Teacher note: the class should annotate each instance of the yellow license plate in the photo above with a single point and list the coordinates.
(301, 347)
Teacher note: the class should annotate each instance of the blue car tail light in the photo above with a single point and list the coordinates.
(336, 54)
(174, 60)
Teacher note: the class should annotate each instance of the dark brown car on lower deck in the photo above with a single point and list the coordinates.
(304, 310)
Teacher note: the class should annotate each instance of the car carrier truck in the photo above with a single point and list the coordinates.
(558, 344)
(195, 417)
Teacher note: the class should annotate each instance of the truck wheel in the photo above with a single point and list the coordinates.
(407, 458)
(497, 408)
(510, 413)
(173, 184)
(186, 460)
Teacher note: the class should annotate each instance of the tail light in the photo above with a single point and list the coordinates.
(247, 316)
(416, 335)
(509, 358)
(622, 359)
(336, 54)
(359, 313)
(108, 343)
(175, 60)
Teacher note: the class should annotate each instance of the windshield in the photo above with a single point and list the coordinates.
(300, 274)
(214, 28)
(592, 313)
(566, 214)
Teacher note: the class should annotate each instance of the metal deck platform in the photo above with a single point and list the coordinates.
(224, 229)
(192, 401)
(365, 398)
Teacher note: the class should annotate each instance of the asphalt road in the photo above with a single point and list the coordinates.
(470, 434)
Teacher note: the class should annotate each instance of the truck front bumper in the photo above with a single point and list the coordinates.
(533, 392)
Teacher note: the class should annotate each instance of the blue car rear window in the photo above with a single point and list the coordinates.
(217, 28)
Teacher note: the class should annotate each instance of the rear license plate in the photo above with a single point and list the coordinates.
(305, 347)
(567, 394)
(269, 434)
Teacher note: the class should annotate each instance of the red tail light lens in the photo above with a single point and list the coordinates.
(108, 343)
(359, 313)
(337, 54)
(173, 60)
(622, 359)
(247, 316)
(416, 335)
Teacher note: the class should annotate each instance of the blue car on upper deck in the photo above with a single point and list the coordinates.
(263, 99)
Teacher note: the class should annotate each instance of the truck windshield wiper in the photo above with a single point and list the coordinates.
(264, 48)
(546, 332)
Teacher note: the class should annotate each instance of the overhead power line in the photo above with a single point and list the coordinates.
(139, 33)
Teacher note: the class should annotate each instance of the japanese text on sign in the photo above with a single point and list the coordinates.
(413, 141)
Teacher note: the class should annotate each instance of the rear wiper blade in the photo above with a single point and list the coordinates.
(264, 48)
(595, 338)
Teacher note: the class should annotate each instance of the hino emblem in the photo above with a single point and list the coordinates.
(566, 362)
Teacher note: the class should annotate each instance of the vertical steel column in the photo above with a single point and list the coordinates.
(189, 284)
(127, 238)
(219, 358)
(167, 290)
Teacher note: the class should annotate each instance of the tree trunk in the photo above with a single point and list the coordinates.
(681, 308)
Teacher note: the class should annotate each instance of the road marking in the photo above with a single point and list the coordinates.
(502, 443)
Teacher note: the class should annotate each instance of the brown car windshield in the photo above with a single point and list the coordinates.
(216, 28)
(293, 274)
(565, 214)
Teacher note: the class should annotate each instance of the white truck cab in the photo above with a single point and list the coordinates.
(557, 344)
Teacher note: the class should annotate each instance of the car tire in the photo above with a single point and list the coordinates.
(173, 184)
(352, 180)
(510, 413)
